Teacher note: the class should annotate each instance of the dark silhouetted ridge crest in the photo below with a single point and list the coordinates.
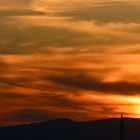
(65, 129)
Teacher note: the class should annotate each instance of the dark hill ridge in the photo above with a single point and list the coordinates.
(64, 129)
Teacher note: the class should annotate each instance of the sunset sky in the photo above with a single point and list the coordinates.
(76, 59)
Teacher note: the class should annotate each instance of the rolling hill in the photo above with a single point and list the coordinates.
(64, 129)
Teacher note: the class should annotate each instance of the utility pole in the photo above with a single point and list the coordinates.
(122, 128)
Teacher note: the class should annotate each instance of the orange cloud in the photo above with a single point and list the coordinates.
(64, 65)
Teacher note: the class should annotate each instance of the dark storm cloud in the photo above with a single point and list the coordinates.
(83, 82)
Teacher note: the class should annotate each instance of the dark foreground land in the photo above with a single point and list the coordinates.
(63, 129)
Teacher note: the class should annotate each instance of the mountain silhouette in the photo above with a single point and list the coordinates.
(65, 129)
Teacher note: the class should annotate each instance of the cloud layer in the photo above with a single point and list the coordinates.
(60, 59)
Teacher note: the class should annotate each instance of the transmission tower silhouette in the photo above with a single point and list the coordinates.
(122, 128)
